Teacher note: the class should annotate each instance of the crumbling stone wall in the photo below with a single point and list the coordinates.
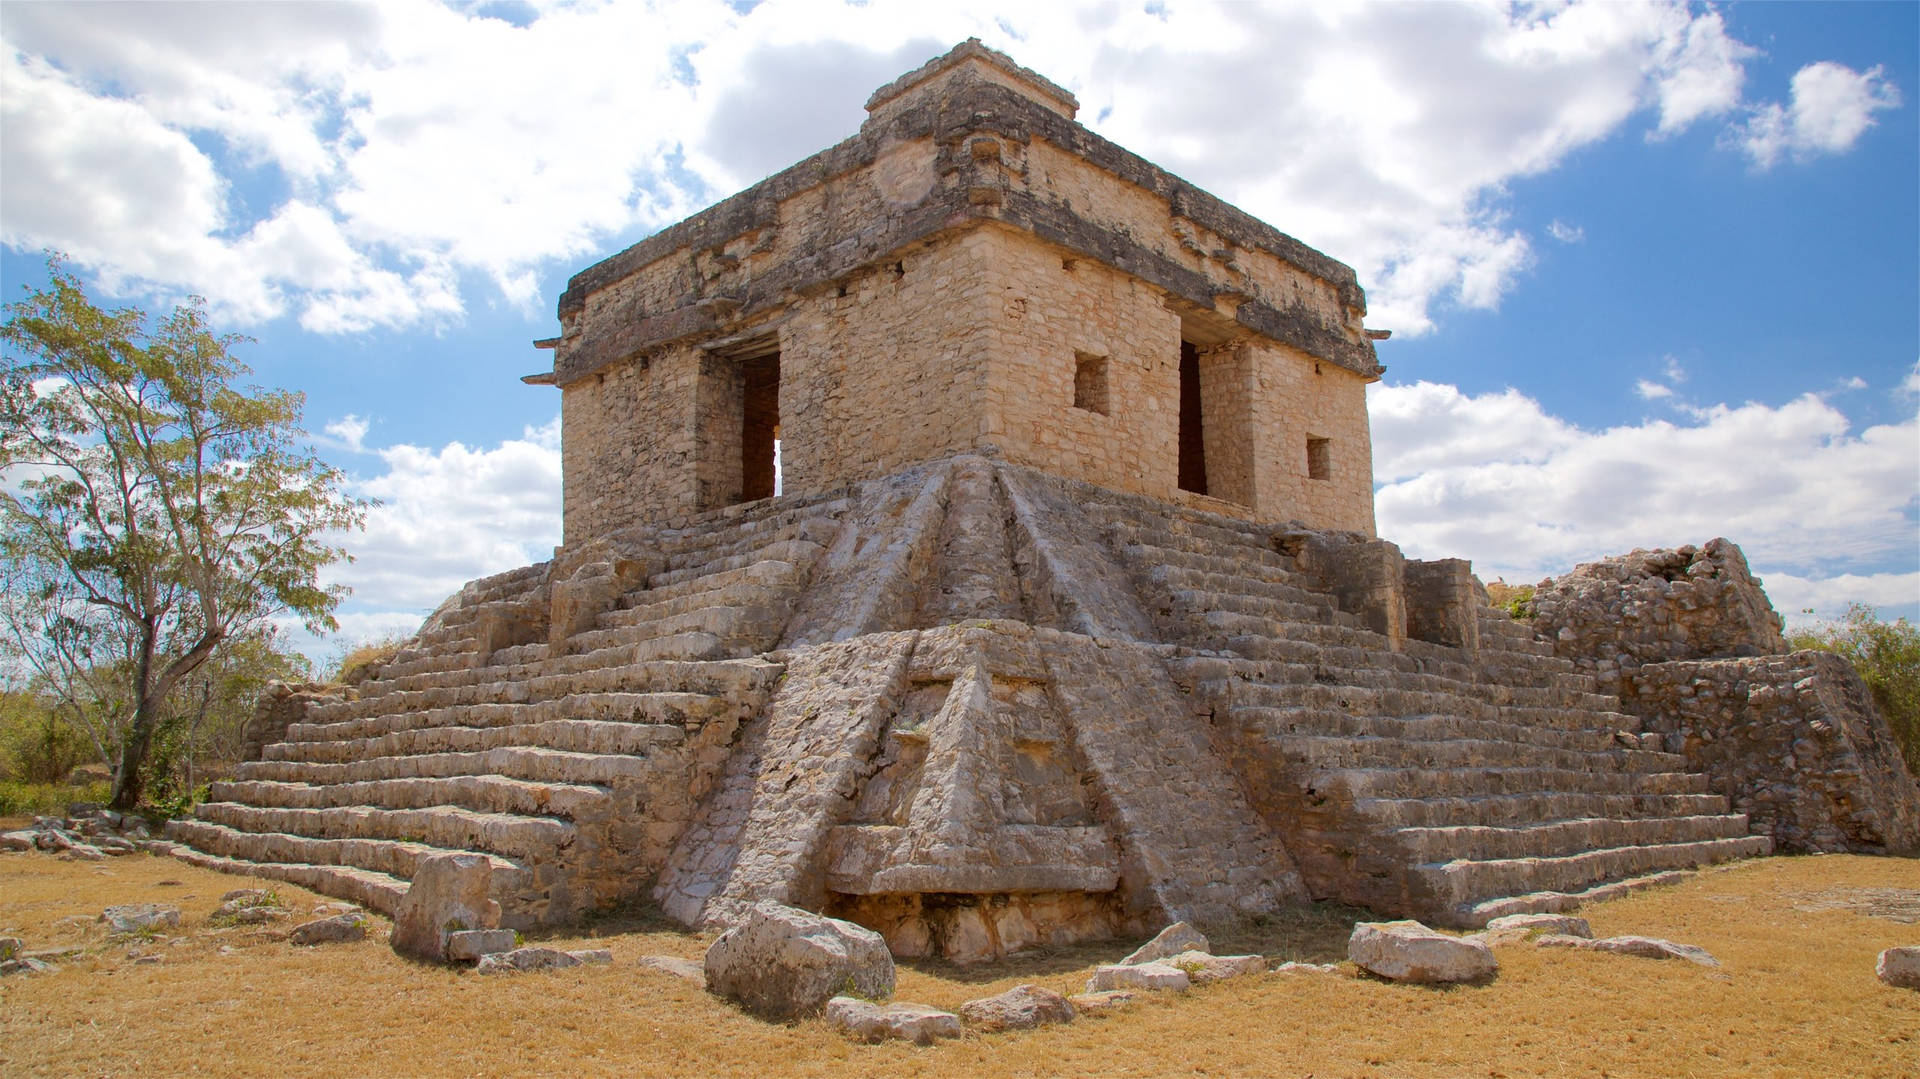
(1653, 606)
(1689, 640)
(281, 704)
(1793, 741)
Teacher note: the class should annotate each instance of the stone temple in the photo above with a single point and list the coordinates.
(969, 533)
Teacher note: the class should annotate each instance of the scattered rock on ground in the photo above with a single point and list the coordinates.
(10, 948)
(690, 969)
(140, 917)
(1565, 924)
(16, 841)
(1202, 968)
(1406, 951)
(26, 964)
(522, 959)
(1307, 968)
(1138, 976)
(448, 894)
(1021, 1008)
(1100, 1003)
(866, 1021)
(1899, 967)
(1643, 947)
(779, 962)
(84, 852)
(1174, 939)
(337, 929)
(470, 944)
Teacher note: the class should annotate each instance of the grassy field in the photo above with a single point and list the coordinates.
(1795, 996)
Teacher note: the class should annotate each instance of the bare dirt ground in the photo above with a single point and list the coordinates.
(1795, 996)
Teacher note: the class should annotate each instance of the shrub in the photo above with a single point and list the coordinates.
(1515, 599)
(1887, 655)
(362, 661)
(48, 799)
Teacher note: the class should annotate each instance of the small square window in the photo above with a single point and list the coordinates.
(1090, 382)
(1319, 458)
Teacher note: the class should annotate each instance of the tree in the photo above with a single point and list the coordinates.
(1887, 657)
(151, 510)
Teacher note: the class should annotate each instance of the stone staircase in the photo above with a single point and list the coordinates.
(573, 772)
(1449, 784)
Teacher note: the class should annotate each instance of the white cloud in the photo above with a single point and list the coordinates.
(353, 165)
(1831, 106)
(1565, 233)
(452, 514)
(1829, 597)
(1652, 390)
(349, 432)
(1524, 494)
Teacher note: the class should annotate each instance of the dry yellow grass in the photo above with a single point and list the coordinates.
(1795, 996)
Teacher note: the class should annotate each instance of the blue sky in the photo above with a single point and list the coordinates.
(1654, 270)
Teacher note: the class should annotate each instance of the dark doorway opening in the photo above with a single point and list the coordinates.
(759, 426)
(1193, 443)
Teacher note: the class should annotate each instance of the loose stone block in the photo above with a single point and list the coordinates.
(1642, 947)
(1021, 1008)
(337, 929)
(866, 1021)
(1155, 975)
(1174, 939)
(779, 962)
(1406, 951)
(1899, 967)
(448, 894)
(140, 917)
(470, 944)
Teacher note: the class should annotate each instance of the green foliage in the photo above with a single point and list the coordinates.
(1887, 655)
(36, 745)
(1515, 599)
(47, 799)
(163, 511)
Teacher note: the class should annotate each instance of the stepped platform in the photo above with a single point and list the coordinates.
(977, 708)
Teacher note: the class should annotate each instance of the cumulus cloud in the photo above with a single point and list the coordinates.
(1831, 106)
(451, 514)
(1826, 509)
(1652, 391)
(349, 432)
(354, 165)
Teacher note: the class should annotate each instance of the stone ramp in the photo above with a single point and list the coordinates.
(1445, 783)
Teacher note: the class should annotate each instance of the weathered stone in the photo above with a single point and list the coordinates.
(1107, 1000)
(83, 852)
(1203, 968)
(1565, 924)
(1899, 967)
(336, 929)
(17, 841)
(778, 962)
(26, 965)
(692, 970)
(522, 959)
(1138, 976)
(866, 1021)
(1021, 1008)
(1307, 968)
(1174, 939)
(1406, 951)
(468, 945)
(10, 948)
(448, 894)
(1642, 947)
(140, 917)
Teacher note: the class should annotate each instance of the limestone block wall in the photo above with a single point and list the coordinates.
(627, 444)
(1793, 741)
(1299, 399)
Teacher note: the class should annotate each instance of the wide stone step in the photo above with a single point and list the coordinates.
(1549, 902)
(798, 552)
(1205, 608)
(1323, 752)
(505, 834)
(1358, 699)
(1519, 809)
(1464, 884)
(742, 630)
(379, 892)
(1175, 530)
(532, 764)
(588, 736)
(764, 582)
(1440, 783)
(667, 708)
(392, 858)
(1172, 580)
(1456, 679)
(1233, 562)
(626, 669)
(1552, 838)
(480, 793)
(1281, 724)
(411, 667)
